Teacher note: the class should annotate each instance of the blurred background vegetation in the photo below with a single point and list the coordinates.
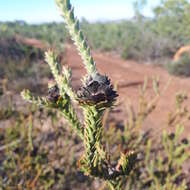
(160, 35)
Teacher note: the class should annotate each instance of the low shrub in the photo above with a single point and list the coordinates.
(180, 67)
(11, 48)
(132, 40)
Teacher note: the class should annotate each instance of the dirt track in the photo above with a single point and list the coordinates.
(129, 75)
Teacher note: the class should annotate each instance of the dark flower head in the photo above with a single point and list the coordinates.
(53, 93)
(96, 89)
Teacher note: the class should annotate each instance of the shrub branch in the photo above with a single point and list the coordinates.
(72, 23)
(94, 97)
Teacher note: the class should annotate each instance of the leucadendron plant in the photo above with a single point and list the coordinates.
(94, 97)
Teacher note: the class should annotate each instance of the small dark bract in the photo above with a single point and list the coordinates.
(53, 94)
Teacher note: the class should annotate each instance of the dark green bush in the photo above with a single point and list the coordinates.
(180, 67)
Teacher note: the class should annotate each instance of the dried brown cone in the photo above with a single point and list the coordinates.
(97, 89)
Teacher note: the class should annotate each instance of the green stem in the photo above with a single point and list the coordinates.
(76, 34)
(92, 137)
(71, 116)
(114, 184)
(64, 105)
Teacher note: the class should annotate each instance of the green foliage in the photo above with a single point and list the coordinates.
(77, 36)
(10, 48)
(132, 40)
(173, 19)
(140, 38)
(180, 67)
(52, 33)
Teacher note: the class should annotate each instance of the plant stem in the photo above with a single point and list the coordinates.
(77, 36)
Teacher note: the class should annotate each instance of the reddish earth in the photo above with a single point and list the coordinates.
(128, 75)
